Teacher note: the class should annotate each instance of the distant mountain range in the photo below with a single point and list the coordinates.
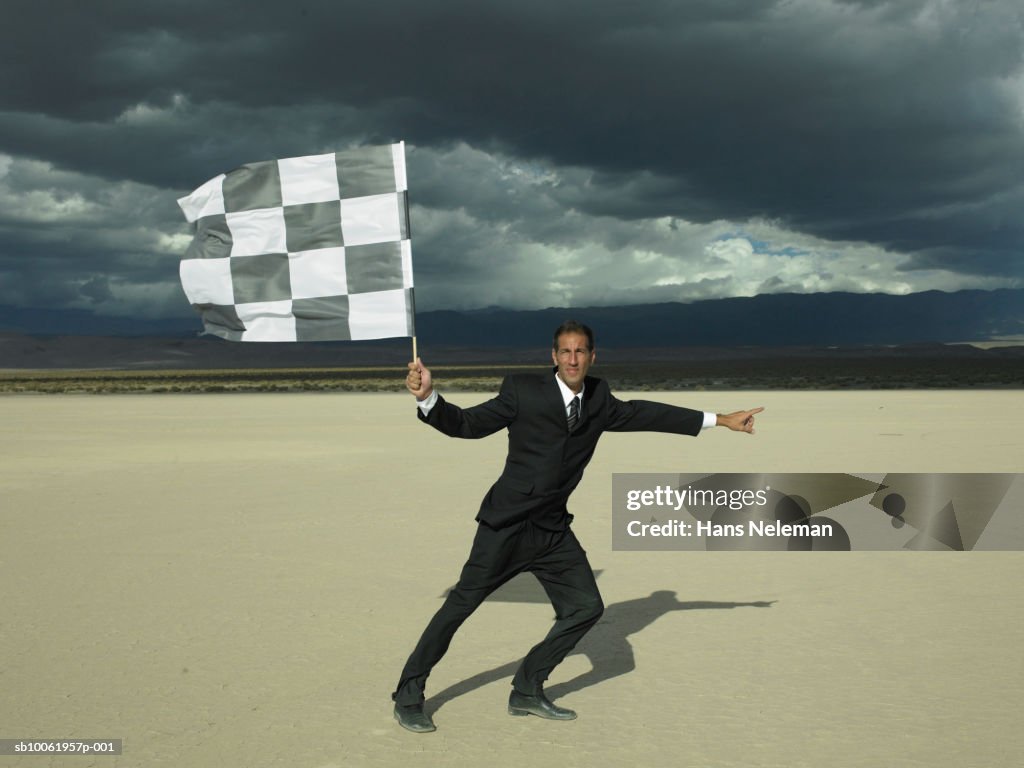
(78, 338)
(768, 320)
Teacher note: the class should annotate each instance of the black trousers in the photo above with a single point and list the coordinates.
(559, 563)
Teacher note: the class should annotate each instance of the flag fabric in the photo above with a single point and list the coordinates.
(310, 248)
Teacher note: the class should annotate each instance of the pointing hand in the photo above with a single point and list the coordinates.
(739, 421)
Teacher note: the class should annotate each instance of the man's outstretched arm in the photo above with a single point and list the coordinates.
(649, 416)
(478, 421)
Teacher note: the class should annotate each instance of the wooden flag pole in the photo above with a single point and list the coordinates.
(414, 349)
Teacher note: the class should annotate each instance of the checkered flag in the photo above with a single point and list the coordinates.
(310, 248)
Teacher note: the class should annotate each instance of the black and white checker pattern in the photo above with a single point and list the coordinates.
(312, 248)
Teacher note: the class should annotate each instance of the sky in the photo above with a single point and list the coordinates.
(560, 154)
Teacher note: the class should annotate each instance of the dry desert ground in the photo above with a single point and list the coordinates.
(236, 580)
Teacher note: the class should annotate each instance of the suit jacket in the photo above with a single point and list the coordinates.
(545, 461)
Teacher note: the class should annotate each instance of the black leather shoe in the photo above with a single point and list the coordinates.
(414, 719)
(520, 704)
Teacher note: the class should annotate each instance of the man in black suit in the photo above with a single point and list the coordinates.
(554, 422)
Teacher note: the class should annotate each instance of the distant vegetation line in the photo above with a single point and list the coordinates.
(810, 373)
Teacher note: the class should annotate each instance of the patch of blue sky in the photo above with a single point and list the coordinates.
(762, 246)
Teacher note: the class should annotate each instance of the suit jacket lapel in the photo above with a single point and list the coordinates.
(553, 395)
(589, 387)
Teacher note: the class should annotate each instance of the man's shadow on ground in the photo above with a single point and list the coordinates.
(606, 646)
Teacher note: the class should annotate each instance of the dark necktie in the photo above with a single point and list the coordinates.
(574, 413)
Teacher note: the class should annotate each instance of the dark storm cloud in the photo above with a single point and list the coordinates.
(897, 124)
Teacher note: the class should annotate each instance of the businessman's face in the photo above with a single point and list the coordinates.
(573, 358)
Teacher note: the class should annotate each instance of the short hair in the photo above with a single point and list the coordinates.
(572, 326)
